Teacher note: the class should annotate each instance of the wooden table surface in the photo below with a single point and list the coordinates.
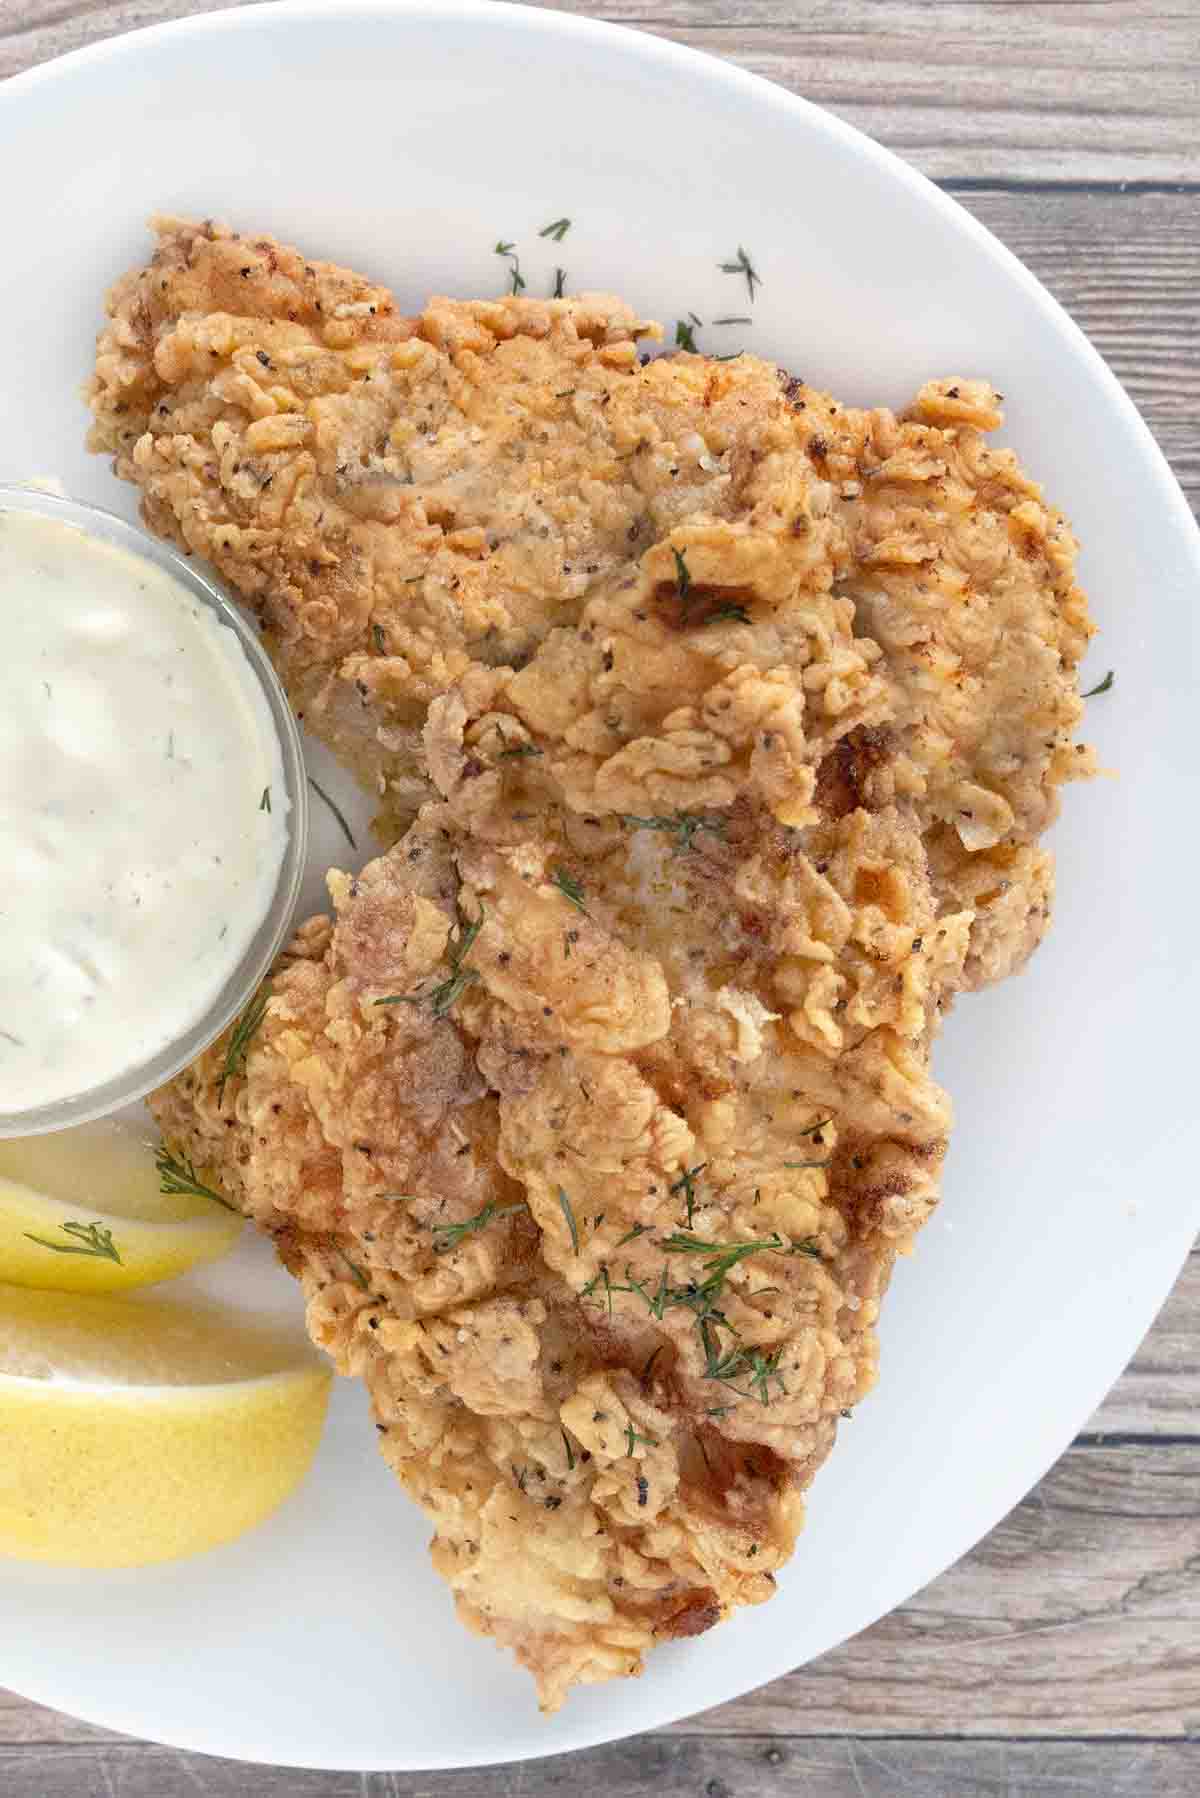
(1062, 1656)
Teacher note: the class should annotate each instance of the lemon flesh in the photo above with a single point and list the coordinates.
(137, 1431)
(82, 1211)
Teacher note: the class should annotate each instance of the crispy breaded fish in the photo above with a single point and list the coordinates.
(594, 1120)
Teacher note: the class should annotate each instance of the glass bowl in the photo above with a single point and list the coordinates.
(135, 1082)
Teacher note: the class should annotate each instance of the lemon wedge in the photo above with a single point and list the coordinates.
(83, 1211)
(137, 1430)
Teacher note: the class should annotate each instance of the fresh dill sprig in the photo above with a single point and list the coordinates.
(239, 1041)
(336, 810)
(443, 996)
(448, 1236)
(1104, 686)
(601, 1279)
(683, 589)
(264, 804)
(567, 1212)
(808, 1247)
(176, 1174)
(509, 252)
(743, 266)
(632, 1235)
(88, 1239)
(557, 229)
(686, 1184)
(632, 1439)
(683, 578)
(570, 888)
(723, 1256)
(356, 1272)
(684, 825)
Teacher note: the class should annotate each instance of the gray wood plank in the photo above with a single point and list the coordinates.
(1124, 266)
(1094, 90)
(651, 1767)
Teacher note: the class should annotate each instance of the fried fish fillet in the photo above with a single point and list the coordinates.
(730, 718)
(401, 499)
(549, 1127)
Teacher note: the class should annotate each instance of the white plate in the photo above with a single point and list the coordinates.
(405, 140)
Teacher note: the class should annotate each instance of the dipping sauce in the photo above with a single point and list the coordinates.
(143, 814)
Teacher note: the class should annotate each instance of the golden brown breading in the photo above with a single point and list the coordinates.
(397, 498)
(607, 1237)
(594, 1121)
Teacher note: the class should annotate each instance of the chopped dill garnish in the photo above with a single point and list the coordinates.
(685, 337)
(380, 639)
(557, 229)
(336, 810)
(570, 1451)
(733, 321)
(88, 1239)
(1104, 686)
(686, 1184)
(508, 251)
(177, 1174)
(737, 614)
(807, 1247)
(239, 1041)
(570, 888)
(567, 1212)
(722, 1256)
(560, 282)
(443, 996)
(448, 1236)
(685, 825)
(264, 804)
(828, 1162)
(819, 1125)
(655, 1353)
(356, 1272)
(632, 1439)
(683, 578)
(743, 266)
(632, 1235)
(600, 1279)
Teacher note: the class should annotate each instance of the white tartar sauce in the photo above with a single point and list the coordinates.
(142, 810)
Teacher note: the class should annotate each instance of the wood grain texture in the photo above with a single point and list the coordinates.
(651, 1767)
(1002, 89)
(1062, 1656)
